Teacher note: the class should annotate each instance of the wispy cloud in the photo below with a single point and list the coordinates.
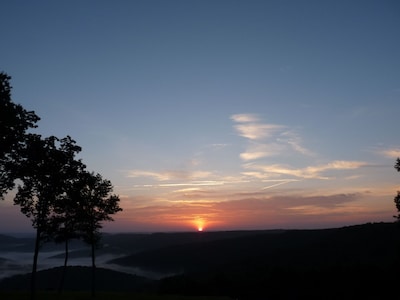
(275, 183)
(195, 183)
(245, 118)
(390, 153)
(257, 131)
(295, 141)
(315, 172)
(189, 190)
(170, 175)
(249, 126)
(256, 151)
(160, 176)
(266, 139)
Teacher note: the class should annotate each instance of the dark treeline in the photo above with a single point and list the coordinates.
(397, 197)
(54, 189)
(356, 262)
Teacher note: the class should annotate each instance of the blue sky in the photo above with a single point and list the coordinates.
(232, 114)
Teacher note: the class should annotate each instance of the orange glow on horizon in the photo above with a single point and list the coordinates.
(199, 222)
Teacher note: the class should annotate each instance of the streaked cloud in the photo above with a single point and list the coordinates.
(250, 126)
(307, 172)
(161, 176)
(277, 182)
(170, 175)
(295, 141)
(343, 165)
(267, 139)
(245, 118)
(195, 183)
(256, 151)
(188, 190)
(391, 153)
(257, 131)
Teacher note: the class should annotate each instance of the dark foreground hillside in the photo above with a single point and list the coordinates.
(357, 262)
(79, 279)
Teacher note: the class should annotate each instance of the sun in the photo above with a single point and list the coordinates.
(199, 223)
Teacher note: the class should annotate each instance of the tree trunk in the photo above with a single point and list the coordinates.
(34, 266)
(61, 285)
(93, 270)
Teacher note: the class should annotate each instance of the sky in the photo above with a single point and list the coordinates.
(225, 115)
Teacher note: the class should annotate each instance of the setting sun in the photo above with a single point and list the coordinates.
(199, 223)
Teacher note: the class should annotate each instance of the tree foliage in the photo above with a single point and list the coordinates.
(397, 197)
(14, 124)
(95, 204)
(49, 167)
(46, 173)
(80, 212)
(397, 165)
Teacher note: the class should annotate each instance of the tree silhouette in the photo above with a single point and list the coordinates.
(61, 198)
(50, 165)
(397, 198)
(14, 124)
(95, 204)
(65, 225)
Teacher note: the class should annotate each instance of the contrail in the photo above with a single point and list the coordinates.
(276, 184)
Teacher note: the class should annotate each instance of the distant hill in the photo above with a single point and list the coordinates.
(342, 263)
(131, 243)
(9, 243)
(122, 243)
(369, 243)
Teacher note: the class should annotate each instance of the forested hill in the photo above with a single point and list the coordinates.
(369, 243)
(355, 262)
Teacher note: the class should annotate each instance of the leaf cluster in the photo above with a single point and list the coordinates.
(14, 124)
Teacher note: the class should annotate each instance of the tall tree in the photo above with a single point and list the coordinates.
(397, 198)
(96, 205)
(65, 224)
(14, 124)
(50, 164)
